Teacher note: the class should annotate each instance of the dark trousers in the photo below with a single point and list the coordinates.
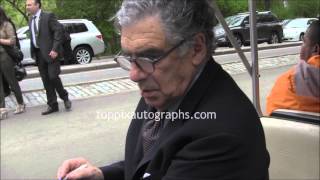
(49, 73)
(7, 74)
(6, 87)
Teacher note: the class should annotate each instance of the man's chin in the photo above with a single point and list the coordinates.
(154, 102)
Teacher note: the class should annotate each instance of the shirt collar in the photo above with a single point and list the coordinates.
(38, 13)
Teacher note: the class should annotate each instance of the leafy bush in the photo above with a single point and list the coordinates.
(294, 9)
(99, 12)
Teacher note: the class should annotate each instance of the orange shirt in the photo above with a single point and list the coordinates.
(287, 92)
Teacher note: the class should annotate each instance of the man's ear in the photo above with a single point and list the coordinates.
(316, 49)
(199, 49)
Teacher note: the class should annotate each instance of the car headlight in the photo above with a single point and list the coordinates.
(219, 32)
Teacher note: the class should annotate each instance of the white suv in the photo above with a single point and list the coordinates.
(86, 40)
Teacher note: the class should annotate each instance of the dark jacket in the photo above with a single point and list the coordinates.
(50, 35)
(232, 146)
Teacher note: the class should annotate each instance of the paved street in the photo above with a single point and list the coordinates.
(33, 146)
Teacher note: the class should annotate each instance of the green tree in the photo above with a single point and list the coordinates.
(306, 8)
(15, 10)
(294, 9)
(232, 7)
(98, 11)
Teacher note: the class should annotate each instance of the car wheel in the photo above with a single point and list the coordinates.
(301, 37)
(274, 38)
(83, 55)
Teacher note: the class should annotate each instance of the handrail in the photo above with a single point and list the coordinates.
(254, 56)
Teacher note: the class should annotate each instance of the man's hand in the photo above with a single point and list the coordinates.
(53, 54)
(7, 42)
(78, 168)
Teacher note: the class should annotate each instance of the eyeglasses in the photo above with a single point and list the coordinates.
(146, 64)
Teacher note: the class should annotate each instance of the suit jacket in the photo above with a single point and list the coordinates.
(232, 146)
(50, 35)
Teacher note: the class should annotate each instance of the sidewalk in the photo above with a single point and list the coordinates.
(124, 84)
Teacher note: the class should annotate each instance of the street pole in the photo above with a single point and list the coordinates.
(230, 35)
(254, 56)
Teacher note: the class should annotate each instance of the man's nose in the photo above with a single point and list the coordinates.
(136, 74)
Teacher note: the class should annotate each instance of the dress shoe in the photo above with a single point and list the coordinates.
(67, 105)
(50, 110)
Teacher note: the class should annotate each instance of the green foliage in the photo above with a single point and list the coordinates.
(98, 11)
(294, 9)
(231, 7)
(303, 8)
(10, 7)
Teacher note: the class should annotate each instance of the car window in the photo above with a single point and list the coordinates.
(310, 21)
(264, 19)
(79, 28)
(234, 20)
(285, 22)
(73, 28)
(246, 20)
(296, 23)
(259, 19)
(68, 28)
(273, 19)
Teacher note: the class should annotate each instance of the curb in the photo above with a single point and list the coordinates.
(75, 68)
(248, 49)
(111, 64)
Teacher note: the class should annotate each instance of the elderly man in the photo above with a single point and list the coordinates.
(166, 46)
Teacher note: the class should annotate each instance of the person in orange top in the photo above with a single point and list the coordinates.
(299, 88)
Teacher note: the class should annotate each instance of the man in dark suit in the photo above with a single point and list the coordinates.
(46, 46)
(206, 128)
